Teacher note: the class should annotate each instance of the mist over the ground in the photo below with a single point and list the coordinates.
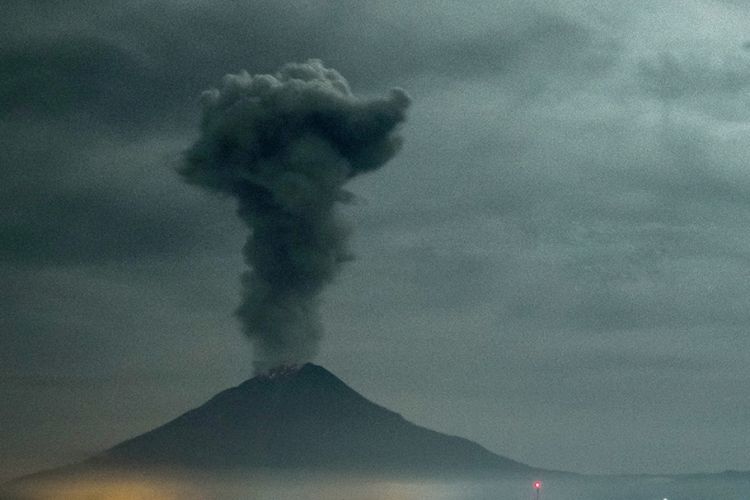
(269, 486)
(556, 265)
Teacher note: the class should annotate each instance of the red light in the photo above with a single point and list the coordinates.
(537, 485)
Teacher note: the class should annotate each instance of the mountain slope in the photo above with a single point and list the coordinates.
(306, 418)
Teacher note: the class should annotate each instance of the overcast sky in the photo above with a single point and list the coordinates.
(556, 265)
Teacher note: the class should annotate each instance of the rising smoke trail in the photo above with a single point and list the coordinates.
(284, 145)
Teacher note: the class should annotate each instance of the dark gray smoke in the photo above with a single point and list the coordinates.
(284, 145)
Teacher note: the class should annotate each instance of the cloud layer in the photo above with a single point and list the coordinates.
(562, 240)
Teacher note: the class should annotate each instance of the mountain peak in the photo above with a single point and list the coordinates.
(307, 371)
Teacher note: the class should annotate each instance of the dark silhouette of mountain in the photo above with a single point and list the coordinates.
(304, 418)
(291, 420)
(309, 419)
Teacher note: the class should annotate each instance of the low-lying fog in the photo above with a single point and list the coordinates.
(316, 487)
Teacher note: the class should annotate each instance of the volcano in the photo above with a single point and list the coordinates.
(297, 419)
(303, 418)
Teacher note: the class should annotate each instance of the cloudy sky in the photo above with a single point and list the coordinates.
(556, 265)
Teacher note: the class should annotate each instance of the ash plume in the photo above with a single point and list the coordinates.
(284, 145)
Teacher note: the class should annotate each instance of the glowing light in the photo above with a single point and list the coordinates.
(538, 486)
(110, 488)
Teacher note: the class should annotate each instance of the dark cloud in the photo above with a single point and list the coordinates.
(77, 75)
(80, 228)
(535, 41)
(283, 146)
(671, 76)
(126, 69)
(68, 198)
(130, 69)
(715, 82)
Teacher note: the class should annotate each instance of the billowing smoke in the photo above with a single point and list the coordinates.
(284, 145)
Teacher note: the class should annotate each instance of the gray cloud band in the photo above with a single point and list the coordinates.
(284, 146)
